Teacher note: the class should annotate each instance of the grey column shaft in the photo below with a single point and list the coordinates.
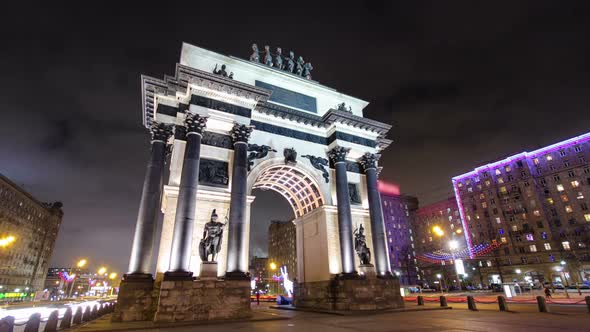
(381, 254)
(145, 227)
(344, 219)
(184, 219)
(237, 241)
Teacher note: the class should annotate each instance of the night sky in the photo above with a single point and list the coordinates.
(462, 83)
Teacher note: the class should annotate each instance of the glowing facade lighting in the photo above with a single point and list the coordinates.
(453, 244)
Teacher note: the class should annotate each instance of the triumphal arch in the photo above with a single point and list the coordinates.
(222, 126)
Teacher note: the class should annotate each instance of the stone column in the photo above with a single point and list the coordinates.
(145, 227)
(382, 265)
(184, 220)
(338, 157)
(237, 242)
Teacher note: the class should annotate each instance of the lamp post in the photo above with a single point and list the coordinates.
(563, 263)
(273, 267)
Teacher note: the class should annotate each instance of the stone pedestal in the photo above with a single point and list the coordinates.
(368, 271)
(362, 294)
(208, 271)
(202, 300)
(136, 300)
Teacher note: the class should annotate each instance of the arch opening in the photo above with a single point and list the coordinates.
(298, 188)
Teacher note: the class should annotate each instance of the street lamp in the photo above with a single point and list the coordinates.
(102, 271)
(113, 275)
(7, 240)
(438, 231)
(81, 263)
(273, 267)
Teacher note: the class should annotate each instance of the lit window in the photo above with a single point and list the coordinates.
(536, 161)
(548, 157)
(470, 189)
(566, 245)
(564, 198)
(537, 213)
(514, 228)
(547, 246)
(530, 237)
(575, 184)
(560, 187)
(544, 235)
(498, 220)
(587, 216)
(498, 172)
(533, 248)
(580, 195)
(550, 200)
(487, 182)
(503, 239)
(508, 169)
(500, 180)
(568, 209)
(503, 190)
(460, 185)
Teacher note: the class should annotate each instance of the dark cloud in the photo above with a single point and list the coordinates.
(462, 82)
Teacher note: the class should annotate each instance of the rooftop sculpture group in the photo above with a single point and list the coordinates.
(286, 63)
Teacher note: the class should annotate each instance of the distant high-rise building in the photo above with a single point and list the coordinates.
(434, 227)
(535, 205)
(259, 270)
(396, 216)
(282, 248)
(28, 230)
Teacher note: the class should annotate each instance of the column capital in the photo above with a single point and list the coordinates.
(195, 123)
(338, 154)
(241, 133)
(180, 132)
(369, 160)
(161, 131)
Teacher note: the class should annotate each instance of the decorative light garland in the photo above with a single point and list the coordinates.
(440, 256)
(66, 276)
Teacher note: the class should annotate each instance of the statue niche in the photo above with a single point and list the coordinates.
(360, 246)
(210, 244)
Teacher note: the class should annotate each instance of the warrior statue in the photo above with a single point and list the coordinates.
(267, 56)
(279, 59)
(211, 242)
(307, 70)
(290, 62)
(221, 72)
(300, 64)
(257, 152)
(255, 57)
(360, 246)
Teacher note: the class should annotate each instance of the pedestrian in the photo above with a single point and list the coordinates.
(257, 298)
(547, 292)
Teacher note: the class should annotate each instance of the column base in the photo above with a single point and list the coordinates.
(347, 276)
(237, 275)
(178, 276)
(136, 300)
(137, 277)
(362, 294)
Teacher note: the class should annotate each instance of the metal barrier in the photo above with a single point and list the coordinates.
(7, 323)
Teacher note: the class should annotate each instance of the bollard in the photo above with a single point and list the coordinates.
(588, 302)
(420, 300)
(443, 301)
(542, 304)
(51, 325)
(66, 321)
(502, 303)
(78, 316)
(7, 324)
(86, 316)
(94, 312)
(471, 303)
(33, 323)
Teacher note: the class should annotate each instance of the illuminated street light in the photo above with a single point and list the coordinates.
(273, 266)
(518, 271)
(562, 263)
(81, 263)
(6, 241)
(113, 275)
(438, 275)
(102, 270)
(438, 231)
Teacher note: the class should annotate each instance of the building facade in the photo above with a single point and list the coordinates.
(435, 226)
(397, 209)
(28, 230)
(535, 204)
(282, 246)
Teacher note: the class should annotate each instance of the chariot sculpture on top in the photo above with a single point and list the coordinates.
(285, 63)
